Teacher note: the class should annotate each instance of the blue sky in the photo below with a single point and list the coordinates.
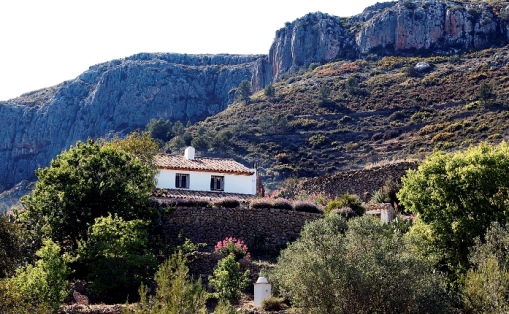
(45, 42)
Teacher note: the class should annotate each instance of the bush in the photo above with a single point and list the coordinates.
(10, 246)
(274, 304)
(308, 207)
(346, 200)
(281, 203)
(458, 195)
(176, 292)
(224, 307)
(228, 279)
(486, 288)
(42, 283)
(227, 202)
(261, 203)
(356, 267)
(232, 246)
(117, 257)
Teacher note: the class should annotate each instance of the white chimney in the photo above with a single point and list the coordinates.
(189, 153)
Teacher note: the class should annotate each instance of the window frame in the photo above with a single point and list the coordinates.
(214, 180)
(178, 180)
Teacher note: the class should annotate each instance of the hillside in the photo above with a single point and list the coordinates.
(345, 115)
(367, 120)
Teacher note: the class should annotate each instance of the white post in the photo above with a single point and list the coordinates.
(262, 290)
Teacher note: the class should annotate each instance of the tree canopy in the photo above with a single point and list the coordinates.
(88, 181)
(244, 91)
(359, 266)
(459, 195)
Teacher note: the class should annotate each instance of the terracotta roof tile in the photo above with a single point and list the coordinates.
(160, 195)
(225, 165)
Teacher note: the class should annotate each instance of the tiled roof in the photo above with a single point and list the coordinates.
(163, 194)
(225, 165)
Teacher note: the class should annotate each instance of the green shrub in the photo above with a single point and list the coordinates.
(486, 288)
(227, 202)
(306, 206)
(281, 203)
(117, 257)
(274, 304)
(318, 140)
(261, 203)
(10, 246)
(346, 200)
(176, 292)
(356, 267)
(45, 282)
(224, 307)
(228, 279)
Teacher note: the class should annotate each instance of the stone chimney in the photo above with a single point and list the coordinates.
(189, 153)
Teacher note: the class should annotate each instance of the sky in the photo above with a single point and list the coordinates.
(45, 42)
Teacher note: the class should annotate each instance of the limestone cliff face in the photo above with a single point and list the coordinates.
(316, 37)
(431, 25)
(117, 96)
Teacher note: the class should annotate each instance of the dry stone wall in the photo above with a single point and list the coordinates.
(261, 229)
(360, 182)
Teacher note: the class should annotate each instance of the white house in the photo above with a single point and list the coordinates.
(204, 174)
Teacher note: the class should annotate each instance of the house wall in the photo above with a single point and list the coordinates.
(200, 181)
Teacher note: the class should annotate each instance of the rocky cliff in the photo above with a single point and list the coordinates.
(122, 95)
(117, 96)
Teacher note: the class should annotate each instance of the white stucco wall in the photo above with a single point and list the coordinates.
(200, 181)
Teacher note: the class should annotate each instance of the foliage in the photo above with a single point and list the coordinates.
(117, 257)
(176, 291)
(281, 203)
(486, 288)
(387, 193)
(459, 195)
(485, 93)
(346, 200)
(244, 91)
(274, 304)
(83, 183)
(139, 145)
(269, 91)
(227, 202)
(224, 307)
(42, 283)
(228, 279)
(260, 203)
(10, 246)
(356, 267)
(232, 246)
(352, 85)
(12, 301)
(317, 140)
(160, 129)
(307, 206)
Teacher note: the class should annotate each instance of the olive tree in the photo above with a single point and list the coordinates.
(459, 195)
(361, 266)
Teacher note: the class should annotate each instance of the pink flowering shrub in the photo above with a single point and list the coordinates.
(233, 246)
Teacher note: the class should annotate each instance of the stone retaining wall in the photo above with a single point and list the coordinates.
(261, 229)
(360, 182)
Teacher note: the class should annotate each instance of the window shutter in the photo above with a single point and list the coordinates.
(212, 183)
(183, 183)
(177, 181)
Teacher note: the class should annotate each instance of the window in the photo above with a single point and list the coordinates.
(181, 181)
(216, 183)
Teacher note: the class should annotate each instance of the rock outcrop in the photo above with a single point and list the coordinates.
(122, 95)
(113, 97)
